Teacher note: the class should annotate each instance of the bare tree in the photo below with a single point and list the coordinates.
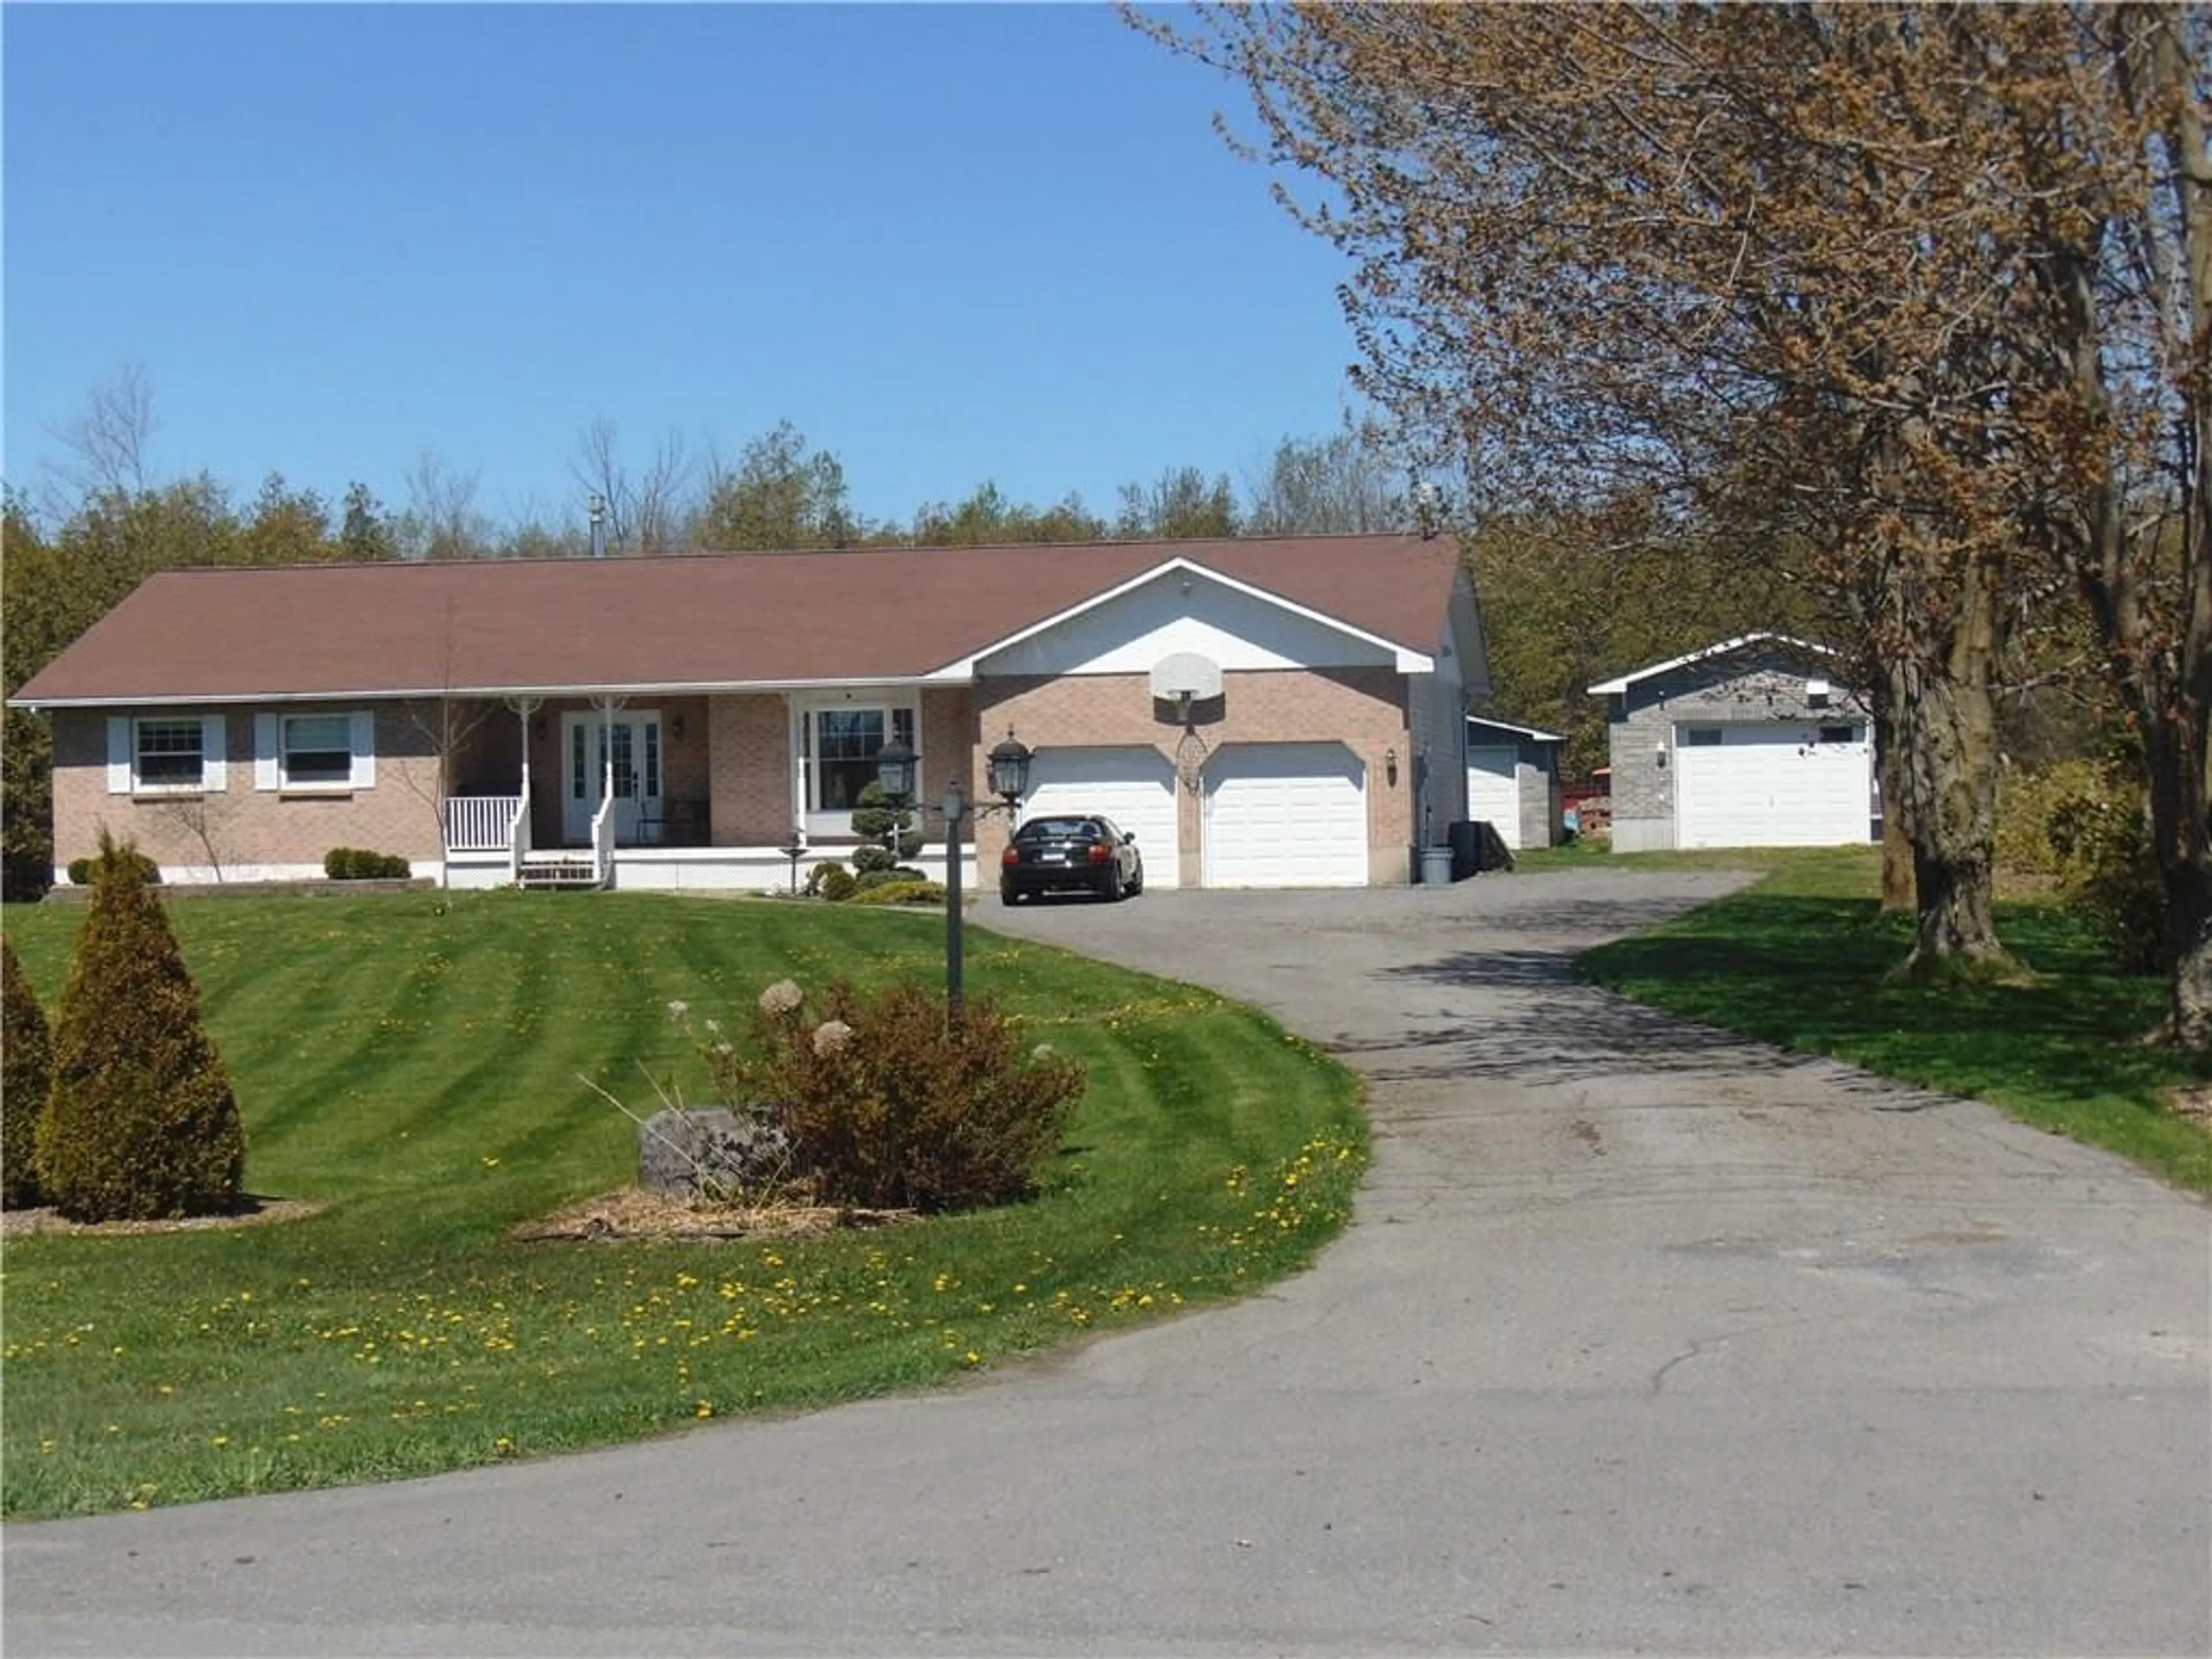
(445, 726)
(192, 816)
(1341, 484)
(108, 441)
(646, 513)
(442, 521)
(1621, 249)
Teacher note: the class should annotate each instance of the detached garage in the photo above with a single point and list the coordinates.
(1133, 785)
(1755, 742)
(1284, 815)
(1773, 786)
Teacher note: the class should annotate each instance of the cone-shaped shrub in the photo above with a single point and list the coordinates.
(27, 1055)
(142, 1122)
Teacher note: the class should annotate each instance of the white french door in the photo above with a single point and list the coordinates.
(631, 741)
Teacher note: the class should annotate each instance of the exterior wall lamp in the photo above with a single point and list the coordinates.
(1390, 765)
(1009, 780)
(1659, 754)
(676, 724)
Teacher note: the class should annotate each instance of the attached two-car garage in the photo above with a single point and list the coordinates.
(1270, 814)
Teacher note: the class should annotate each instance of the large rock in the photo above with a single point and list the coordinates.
(709, 1151)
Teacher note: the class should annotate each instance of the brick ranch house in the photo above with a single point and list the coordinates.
(707, 720)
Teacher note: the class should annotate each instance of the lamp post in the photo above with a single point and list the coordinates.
(1010, 782)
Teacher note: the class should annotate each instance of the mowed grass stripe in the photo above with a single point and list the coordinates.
(404, 1331)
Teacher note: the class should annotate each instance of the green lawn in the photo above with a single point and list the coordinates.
(1800, 960)
(417, 1073)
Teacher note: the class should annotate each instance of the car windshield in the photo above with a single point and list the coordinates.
(1060, 830)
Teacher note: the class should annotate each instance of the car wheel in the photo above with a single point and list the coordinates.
(1111, 892)
(1137, 882)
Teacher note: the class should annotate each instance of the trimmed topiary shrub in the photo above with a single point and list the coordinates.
(893, 1102)
(80, 870)
(833, 882)
(141, 1124)
(27, 1055)
(891, 823)
(359, 864)
(899, 888)
(873, 861)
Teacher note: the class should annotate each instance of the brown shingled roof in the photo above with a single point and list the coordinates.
(702, 620)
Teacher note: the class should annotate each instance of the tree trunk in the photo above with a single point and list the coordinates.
(2189, 931)
(1947, 767)
(1896, 883)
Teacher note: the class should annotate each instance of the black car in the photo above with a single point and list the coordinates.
(1084, 852)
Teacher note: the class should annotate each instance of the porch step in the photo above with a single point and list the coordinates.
(558, 872)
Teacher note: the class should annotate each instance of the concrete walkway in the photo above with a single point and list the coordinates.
(1643, 1340)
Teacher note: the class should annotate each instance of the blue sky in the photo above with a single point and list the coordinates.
(950, 243)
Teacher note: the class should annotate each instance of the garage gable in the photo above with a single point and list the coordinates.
(1182, 607)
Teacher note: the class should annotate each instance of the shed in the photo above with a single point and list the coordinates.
(1513, 780)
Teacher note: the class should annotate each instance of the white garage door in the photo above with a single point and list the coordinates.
(1773, 786)
(1494, 791)
(1285, 815)
(1134, 786)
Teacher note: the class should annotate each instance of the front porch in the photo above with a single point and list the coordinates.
(723, 791)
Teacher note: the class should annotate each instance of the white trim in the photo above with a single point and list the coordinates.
(380, 694)
(1528, 732)
(1620, 684)
(963, 669)
(363, 738)
(268, 733)
(215, 754)
(889, 699)
(119, 736)
(213, 772)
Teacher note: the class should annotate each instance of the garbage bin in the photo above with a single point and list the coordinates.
(1464, 835)
(1436, 866)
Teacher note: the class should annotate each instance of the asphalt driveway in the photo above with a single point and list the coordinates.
(1644, 1339)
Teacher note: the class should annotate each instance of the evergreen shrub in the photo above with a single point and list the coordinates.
(27, 1053)
(360, 864)
(141, 1124)
(901, 888)
(80, 870)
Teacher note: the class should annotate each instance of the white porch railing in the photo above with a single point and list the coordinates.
(481, 823)
(519, 843)
(602, 832)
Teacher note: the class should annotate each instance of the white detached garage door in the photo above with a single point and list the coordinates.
(1773, 786)
(1285, 815)
(1494, 791)
(1134, 786)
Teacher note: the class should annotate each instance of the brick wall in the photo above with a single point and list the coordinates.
(1361, 708)
(750, 774)
(239, 827)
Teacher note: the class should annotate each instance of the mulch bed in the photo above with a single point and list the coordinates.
(252, 1211)
(633, 1212)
